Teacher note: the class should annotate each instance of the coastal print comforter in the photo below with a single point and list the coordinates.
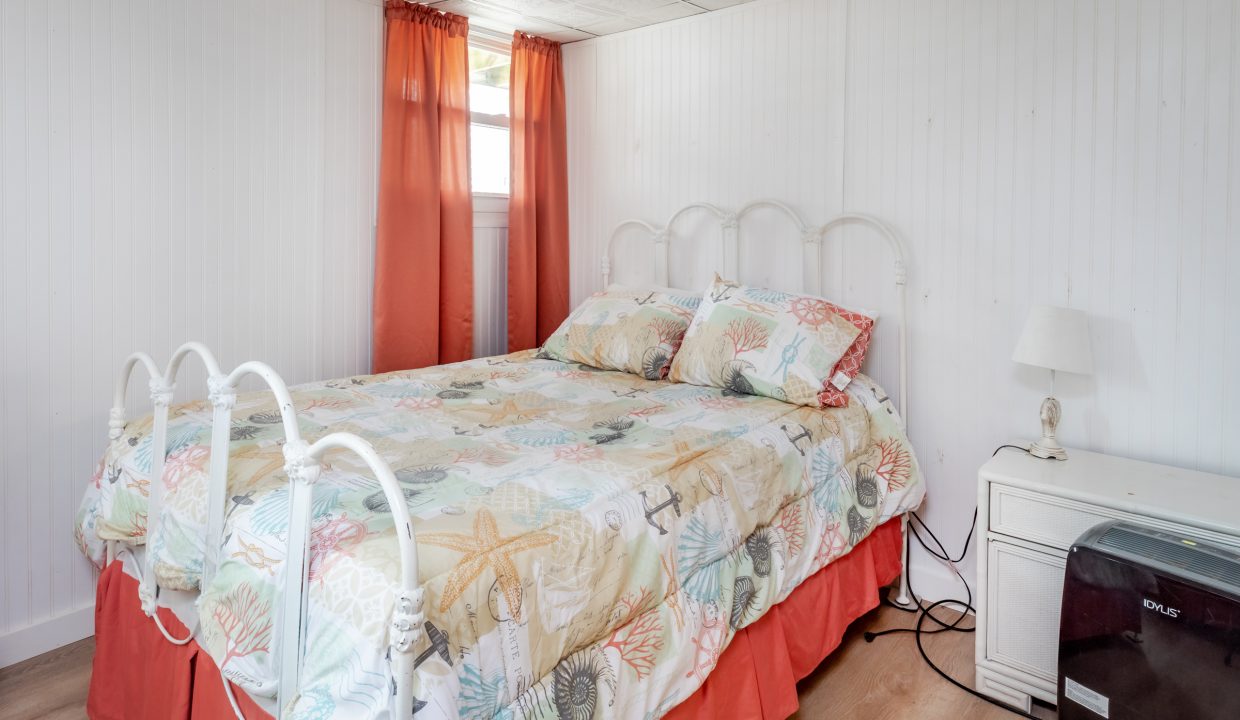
(589, 541)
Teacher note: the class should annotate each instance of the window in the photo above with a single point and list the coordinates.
(488, 130)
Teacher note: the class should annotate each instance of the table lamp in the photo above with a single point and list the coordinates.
(1055, 338)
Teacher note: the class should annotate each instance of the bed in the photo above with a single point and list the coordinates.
(513, 536)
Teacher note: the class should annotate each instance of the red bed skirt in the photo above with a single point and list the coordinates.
(139, 674)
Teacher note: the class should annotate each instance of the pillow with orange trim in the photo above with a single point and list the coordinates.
(763, 342)
(846, 369)
(634, 330)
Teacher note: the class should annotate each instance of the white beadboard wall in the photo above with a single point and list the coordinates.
(490, 275)
(1076, 152)
(168, 171)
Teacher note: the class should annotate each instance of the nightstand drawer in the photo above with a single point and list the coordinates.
(1042, 519)
(1057, 522)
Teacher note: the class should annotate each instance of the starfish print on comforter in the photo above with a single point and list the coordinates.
(482, 549)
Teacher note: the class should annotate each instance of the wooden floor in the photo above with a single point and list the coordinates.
(52, 685)
(887, 679)
(875, 681)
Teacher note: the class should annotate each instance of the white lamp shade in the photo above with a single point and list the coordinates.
(1056, 338)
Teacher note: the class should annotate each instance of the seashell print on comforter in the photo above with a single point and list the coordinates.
(589, 541)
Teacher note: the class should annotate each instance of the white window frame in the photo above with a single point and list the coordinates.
(496, 42)
(495, 121)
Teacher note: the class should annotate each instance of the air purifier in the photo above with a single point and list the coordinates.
(1150, 627)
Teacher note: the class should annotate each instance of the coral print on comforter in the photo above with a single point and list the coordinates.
(589, 541)
(764, 342)
(637, 331)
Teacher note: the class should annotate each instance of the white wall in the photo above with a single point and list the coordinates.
(168, 171)
(174, 171)
(1079, 152)
(490, 275)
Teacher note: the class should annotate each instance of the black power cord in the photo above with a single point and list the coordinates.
(924, 612)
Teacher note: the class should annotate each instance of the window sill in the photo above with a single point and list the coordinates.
(490, 210)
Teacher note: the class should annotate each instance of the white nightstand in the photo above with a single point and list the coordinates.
(1031, 511)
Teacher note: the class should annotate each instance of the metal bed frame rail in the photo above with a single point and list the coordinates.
(303, 463)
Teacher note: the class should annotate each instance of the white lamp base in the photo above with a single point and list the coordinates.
(1048, 447)
(1040, 450)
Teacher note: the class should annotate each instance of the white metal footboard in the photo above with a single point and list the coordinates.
(303, 464)
(161, 386)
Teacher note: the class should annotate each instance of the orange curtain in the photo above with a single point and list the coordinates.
(538, 207)
(424, 266)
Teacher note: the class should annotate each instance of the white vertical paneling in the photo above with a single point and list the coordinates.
(1080, 152)
(713, 90)
(490, 290)
(351, 130)
(490, 275)
(168, 171)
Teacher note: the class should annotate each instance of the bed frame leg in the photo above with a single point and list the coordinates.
(904, 599)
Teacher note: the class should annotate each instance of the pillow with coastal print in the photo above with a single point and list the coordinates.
(763, 342)
(634, 330)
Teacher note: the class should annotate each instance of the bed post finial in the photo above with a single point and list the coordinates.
(146, 597)
(407, 619)
(161, 392)
(299, 464)
(220, 393)
(116, 423)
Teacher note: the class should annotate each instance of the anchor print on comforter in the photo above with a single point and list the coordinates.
(589, 541)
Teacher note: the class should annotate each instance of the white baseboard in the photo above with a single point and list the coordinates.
(46, 635)
(933, 581)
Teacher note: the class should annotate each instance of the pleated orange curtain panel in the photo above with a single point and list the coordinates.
(538, 205)
(423, 302)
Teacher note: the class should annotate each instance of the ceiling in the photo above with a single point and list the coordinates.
(572, 20)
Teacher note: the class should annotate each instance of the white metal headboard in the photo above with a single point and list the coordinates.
(811, 237)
